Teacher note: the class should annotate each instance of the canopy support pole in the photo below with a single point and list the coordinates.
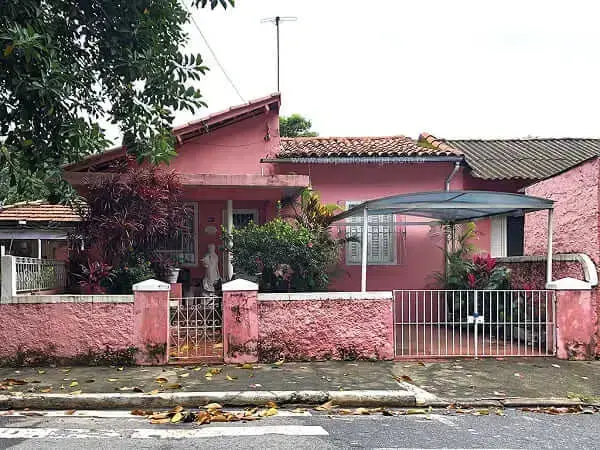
(363, 280)
(549, 248)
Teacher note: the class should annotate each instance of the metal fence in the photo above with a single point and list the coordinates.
(443, 323)
(196, 328)
(34, 274)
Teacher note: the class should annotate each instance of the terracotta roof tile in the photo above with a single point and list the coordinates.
(38, 211)
(323, 147)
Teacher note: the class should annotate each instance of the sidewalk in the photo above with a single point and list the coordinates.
(444, 381)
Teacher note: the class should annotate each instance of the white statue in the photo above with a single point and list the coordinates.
(211, 273)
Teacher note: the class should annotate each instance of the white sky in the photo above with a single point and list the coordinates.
(453, 68)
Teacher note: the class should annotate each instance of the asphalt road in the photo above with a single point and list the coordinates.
(306, 431)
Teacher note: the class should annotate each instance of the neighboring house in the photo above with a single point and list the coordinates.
(36, 229)
(235, 167)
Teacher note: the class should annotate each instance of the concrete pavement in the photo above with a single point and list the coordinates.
(437, 383)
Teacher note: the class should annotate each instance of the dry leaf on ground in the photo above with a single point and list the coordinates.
(161, 380)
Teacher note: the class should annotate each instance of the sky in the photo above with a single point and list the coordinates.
(456, 69)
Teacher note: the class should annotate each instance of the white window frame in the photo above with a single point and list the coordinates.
(194, 207)
(498, 237)
(349, 261)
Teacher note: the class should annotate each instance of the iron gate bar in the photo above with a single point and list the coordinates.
(522, 323)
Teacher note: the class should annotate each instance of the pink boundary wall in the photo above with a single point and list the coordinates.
(326, 326)
(577, 317)
(67, 326)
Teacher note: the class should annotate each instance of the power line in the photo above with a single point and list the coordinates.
(212, 52)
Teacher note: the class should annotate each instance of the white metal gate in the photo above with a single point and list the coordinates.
(477, 323)
(195, 329)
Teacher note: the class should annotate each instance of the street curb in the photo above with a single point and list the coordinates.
(517, 402)
(390, 398)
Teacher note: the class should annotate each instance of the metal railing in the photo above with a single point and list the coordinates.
(196, 328)
(477, 323)
(34, 274)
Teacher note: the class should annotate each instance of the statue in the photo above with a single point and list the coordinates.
(211, 273)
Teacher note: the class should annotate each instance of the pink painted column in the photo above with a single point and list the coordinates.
(151, 321)
(240, 322)
(176, 290)
(576, 319)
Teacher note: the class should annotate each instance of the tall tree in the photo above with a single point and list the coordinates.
(295, 126)
(65, 65)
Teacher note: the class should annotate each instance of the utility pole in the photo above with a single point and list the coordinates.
(276, 20)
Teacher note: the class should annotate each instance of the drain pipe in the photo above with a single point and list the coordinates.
(452, 174)
(452, 237)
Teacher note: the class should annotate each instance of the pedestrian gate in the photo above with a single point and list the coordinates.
(195, 329)
(476, 323)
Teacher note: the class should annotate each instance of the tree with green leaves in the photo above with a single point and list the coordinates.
(295, 126)
(66, 65)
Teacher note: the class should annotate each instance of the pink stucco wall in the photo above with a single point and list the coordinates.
(69, 329)
(322, 329)
(577, 324)
(576, 213)
(240, 327)
(532, 275)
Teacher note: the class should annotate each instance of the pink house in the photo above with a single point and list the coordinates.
(235, 166)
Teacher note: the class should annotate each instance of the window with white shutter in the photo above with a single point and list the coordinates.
(381, 247)
(498, 237)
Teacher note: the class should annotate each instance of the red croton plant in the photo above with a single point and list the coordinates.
(125, 217)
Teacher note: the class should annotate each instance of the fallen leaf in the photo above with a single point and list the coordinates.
(403, 378)
(213, 406)
(219, 418)
(247, 366)
(584, 378)
(138, 412)
(361, 412)
(173, 386)
(46, 390)
(70, 412)
(159, 416)
(138, 389)
(416, 411)
(420, 363)
(112, 380)
(500, 394)
(271, 405)
(14, 382)
(387, 412)
(556, 365)
(177, 417)
(153, 392)
(517, 375)
(482, 412)
(499, 412)
(91, 380)
(184, 375)
(268, 412)
(279, 363)
(256, 385)
(159, 421)
(197, 368)
(76, 392)
(41, 372)
(215, 371)
(161, 380)
(230, 378)
(120, 369)
(177, 409)
(73, 384)
(325, 406)
(125, 388)
(299, 410)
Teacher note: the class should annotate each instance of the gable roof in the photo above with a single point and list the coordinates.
(38, 211)
(191, 129)
(357, 147)
(519, 159)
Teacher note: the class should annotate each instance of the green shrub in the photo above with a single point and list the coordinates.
(284, 255)
(135, 270)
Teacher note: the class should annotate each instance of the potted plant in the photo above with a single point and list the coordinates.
(173, 267)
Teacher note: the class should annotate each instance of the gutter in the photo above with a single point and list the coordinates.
(364, 160)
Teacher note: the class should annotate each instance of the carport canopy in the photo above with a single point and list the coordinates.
(451, 207)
